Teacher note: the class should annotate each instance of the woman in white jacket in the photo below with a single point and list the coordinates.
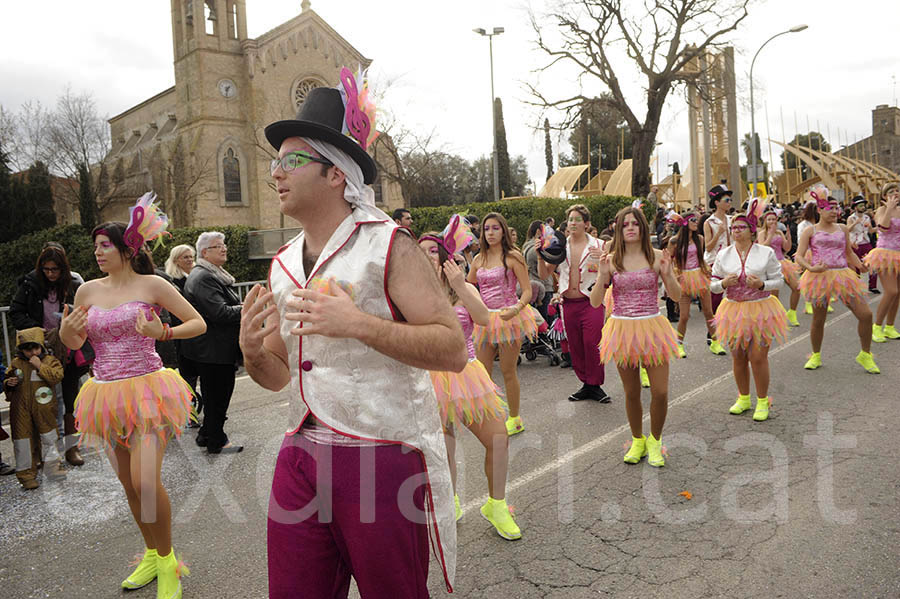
(749, 319)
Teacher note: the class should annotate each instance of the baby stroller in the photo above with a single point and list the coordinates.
(543, 344)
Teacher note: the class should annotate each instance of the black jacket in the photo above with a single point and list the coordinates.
(220, 307)
(27, 307)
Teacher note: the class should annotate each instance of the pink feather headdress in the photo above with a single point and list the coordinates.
(820, 194)
(455, 237)
(359, 108)
(146, 222)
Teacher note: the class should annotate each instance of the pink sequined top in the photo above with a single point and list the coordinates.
(829, 249)
(121, 352)
(635, 293)
(468, 326)
(497, 287)
(691, 262)
(890, 239)
(777, 244)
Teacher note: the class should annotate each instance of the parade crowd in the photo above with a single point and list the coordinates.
(440, 311)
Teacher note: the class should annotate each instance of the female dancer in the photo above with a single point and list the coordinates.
(779, 241)
(828, 275)
(749, 318)
(496, 270)
(470, 396)
(132, 405)
(809, 221)
(885, 260)
(636, 333)
(687, 248)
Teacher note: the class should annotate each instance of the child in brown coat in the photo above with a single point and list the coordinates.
(29, 385)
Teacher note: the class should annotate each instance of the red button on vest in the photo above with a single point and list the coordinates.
(306, 365)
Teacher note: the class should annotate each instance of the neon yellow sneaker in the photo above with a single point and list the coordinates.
(514, 425)
(637, 450)
(878, 335)
(830, 309)
(654, 452)
(792, 318)
(890, 332)
(762, 409)
(867, 361)
(168, 577)
(815, 361)
(716, 348)
(144, 574)
(645, 378)
(458, 509)
(498, 513)
(741, 405)
(808, 308)
(681, 352)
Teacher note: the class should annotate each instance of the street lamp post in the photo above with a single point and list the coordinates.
(495, 161)
(753, 155)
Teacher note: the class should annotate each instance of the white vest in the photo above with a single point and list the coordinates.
(586, 267)
(354, 389)
(724, 240)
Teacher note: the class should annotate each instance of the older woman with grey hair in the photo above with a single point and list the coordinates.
(210, 289)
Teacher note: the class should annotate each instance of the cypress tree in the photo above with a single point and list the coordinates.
(548, 149)
(502, 152)
(39, 200)
(87, 208)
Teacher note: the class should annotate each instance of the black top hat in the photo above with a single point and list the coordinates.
(556, 252)
(321, 116)
(859, 200)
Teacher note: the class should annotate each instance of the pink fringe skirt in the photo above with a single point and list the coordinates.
(634, 341)
(114, 412)
(693, 282)
(758, 321)
(468, 396)
(883, 261)
(791, 272)
(820, 287)
(499, 331)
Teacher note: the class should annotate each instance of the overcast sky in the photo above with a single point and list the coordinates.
(832, 74)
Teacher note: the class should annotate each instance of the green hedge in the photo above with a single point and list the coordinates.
(520, 213)
(18, 257)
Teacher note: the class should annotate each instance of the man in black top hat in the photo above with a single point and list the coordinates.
(360, 316)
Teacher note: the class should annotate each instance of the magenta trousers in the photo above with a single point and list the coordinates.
(584, 327)
(337, 512)
(861, 251)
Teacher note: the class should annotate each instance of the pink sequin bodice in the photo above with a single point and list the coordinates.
(635, 293)
(691, 262)
(742, 293)
(890, 239)
(777, 244)
(121, 351)
(829, 249)
(497, 287)
(465, 319)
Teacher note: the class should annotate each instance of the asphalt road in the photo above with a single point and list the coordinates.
(803, 505)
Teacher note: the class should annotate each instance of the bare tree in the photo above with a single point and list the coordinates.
(660, 37)
(189, 179)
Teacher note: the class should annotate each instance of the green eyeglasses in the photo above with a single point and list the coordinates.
(294, 160)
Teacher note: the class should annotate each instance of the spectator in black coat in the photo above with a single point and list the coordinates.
(39, 302)
(210, 289)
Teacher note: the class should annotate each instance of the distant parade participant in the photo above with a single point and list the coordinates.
(692, 272)
(496, 270)
(860, 225)
(749, 319)
(582, 322)
(132, 406)
(780, 242)
(470, 397)
(885, 261)
(828, 275)
(808, 220)
(717, 237)
(636, 333)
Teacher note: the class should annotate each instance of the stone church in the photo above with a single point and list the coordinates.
(200, 145)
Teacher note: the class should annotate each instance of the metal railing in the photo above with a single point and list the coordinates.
(242, 290)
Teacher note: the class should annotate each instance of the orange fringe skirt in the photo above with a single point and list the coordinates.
(791, 272)
(820, 287)
(114, 412)
(759, 321)
(649, 340)
(883, 261)
(693, 282)
(468, 396)
(499, 331)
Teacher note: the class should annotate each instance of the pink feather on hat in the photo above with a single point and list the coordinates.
(457, 235)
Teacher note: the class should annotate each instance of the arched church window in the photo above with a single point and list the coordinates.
(301, 88)
(231, 171)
